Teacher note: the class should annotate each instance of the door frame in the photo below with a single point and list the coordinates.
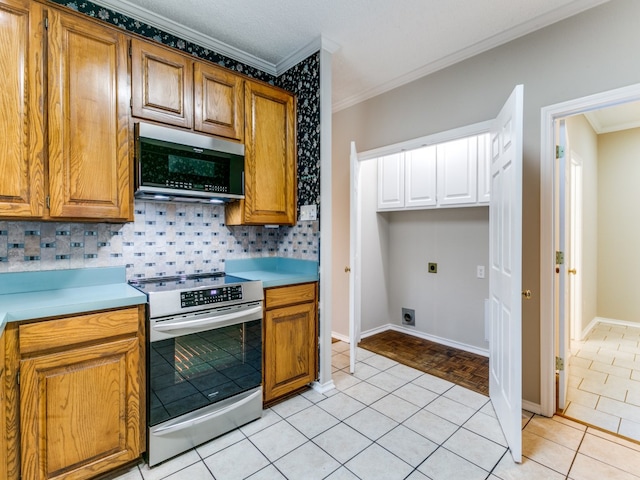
(549, 115)
(355, 260)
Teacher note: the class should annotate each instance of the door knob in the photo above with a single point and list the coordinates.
(526, 294)
(347, 269)
(572, 271)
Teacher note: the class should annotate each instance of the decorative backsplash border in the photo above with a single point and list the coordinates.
(164, 239)
(167, 239)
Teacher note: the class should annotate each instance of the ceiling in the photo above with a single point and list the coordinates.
(376, 45)
(613, 119)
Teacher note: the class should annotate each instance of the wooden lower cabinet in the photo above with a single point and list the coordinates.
(290, 339)
(80, 394)
(3, 417)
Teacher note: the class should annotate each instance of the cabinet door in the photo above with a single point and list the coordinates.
(89, 168)
(391, 182)
(79, 411)
(270, 159)
(420, 177)
(21, 97)
(3, 414)
(219, 101)
(484, 169)
(290, 353)
(457, 172)
(161, 84)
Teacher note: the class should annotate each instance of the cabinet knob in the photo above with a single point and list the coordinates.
(572, 271)
(526, 294)
(347, 269)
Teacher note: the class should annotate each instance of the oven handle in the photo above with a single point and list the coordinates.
(196, 418)
(209, 322)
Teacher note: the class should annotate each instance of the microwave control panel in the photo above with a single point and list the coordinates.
(195, 298)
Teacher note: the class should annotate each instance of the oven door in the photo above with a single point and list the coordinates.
(199, 359)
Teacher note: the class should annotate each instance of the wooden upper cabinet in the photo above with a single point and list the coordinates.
(270, 159)
(21, 97)
(88, 84)
(161, 84)
(218, 101)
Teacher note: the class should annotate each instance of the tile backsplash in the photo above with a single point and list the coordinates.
(163, 239)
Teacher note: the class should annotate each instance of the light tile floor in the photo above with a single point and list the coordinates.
(389, 421)
(604, 379)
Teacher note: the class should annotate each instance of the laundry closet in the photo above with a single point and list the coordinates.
(424, 220)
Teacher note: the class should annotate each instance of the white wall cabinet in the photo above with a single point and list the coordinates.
(451, 174)
(407, 179)
(420, 177)
(391, 182)
(484, 169)
(457, 172)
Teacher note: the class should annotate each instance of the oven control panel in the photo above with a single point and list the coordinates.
(194, 298)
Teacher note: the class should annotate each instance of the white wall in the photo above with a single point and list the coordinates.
(619, 228)
(375, 248)
(589, 53)
(584, 141)
(450, 303)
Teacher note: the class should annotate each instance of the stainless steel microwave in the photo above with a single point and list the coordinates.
(177, 165)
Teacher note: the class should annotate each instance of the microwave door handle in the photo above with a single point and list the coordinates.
(209, 322)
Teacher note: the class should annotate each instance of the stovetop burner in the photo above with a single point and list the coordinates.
(184, 282)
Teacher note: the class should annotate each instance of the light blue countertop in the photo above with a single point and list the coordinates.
(274, 271)
(32, 295)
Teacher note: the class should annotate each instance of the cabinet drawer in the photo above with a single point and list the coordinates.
(280, 296)
(52, 334)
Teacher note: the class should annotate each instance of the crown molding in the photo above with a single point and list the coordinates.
(174, 28)
(599, 128)
(493, 41)
(320, 43)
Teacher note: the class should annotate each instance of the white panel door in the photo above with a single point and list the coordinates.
(457, 171)
(354, 259)
(420, 177)
(505, 258)
(390, 182)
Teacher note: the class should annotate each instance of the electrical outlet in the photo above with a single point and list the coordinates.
(308, 213)
(480, 271)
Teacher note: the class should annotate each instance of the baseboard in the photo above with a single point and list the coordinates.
(531, 407)
(426, 336)
(323, 387)
(588, 328)
(613, 321)
(339, 336)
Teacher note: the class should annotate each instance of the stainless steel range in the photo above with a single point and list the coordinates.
(204, 351)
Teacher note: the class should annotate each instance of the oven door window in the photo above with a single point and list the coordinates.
(193, 371)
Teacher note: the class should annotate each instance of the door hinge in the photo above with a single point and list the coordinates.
(559, 258)
(559, 364)
(48, 201)
(559, 151)
(46, 23)
(18, 377)
(130, 49)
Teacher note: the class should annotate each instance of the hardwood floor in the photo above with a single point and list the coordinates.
(463, 368)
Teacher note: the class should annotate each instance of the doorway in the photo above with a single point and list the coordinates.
(574, 297)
